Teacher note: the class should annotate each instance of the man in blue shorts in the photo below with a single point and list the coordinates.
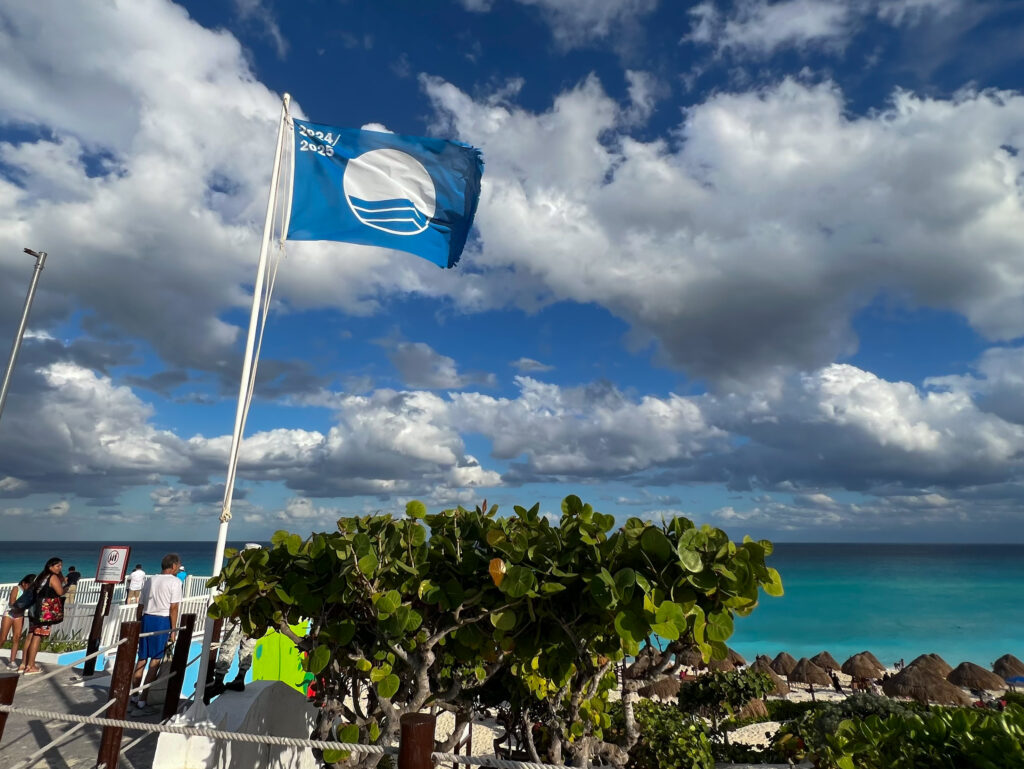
(158, 610)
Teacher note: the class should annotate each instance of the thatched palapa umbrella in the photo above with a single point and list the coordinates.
(690, 657)
(735, 658)
(806, 672)
(861, 666)
(923, 685)
(664, 688)
(721, 666)
(783, 663)
(825, 661)
(753, 709)
(1008, 666)
(975, 677)
(763, 665)
(873, 659)
(934, 663)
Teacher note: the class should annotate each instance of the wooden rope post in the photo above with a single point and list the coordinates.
(120, 688)
(416, 744)
(211, 664)
(8, 683)
(179, 663)
(96, 631)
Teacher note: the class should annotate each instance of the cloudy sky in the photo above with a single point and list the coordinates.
(761, 263)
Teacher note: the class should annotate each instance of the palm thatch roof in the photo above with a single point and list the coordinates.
(783, 663)
(1008, 666)
(934, 663)
(873, 659)
(975, 677)
(763, 665)
(722, 666)
(861, 666)
(921, 684)
(735, 658)
(753, 709)
(664, 688)
(806, 672)
(690, 657)
(825, 661)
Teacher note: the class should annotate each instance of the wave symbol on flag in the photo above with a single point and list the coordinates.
(390, 190)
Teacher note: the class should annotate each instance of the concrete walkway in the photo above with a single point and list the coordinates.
(65, 693)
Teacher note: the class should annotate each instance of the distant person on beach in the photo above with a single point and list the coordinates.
(135, 582)
(182, 574)
(47, 586)
(158, 610)
(71, 584)
(234, 641)
(14, 616)
(835, 681)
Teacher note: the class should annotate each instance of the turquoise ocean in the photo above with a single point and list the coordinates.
(964, 602)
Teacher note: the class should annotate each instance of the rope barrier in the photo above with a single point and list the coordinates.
(266, 739)
(54, 672)
(193, 731)
(161, 632)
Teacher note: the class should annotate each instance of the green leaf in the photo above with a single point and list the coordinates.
(417, 535)
(374, 731)
(334, 756)
(388, 687)
(666, 630)
(389, 602)
(690, 560)
(378, 674)
(655, 544)
(504, 620)
(348, 733)
(625, 581)
(518, 582)
(368, 564)
(318, 659)
(720, 626)
(416, 509)
(774, 585)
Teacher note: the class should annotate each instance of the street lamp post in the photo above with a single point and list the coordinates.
(40, 257)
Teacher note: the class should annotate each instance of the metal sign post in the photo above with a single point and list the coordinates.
(110, 571)
(16, 347)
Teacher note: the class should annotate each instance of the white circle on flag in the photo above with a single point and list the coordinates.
(390, 190)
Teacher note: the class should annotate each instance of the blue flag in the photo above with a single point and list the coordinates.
(379, 189)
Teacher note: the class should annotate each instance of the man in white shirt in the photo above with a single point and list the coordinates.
(135, 582)
(158, 610)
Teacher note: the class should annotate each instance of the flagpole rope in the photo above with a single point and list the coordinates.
(266, 739)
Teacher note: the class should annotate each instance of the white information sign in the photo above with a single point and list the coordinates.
(113, 564)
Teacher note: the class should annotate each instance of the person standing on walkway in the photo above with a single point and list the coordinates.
(14, 616)
(233, 641)
(158, 610)
(135, 582)
(71, 584)
(45, 612)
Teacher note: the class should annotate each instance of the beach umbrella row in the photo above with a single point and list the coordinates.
(806, 672)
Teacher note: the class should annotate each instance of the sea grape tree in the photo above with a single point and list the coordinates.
(462, 608)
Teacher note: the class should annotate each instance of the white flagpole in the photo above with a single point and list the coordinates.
(244, 393)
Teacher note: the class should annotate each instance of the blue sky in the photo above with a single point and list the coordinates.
(758, 263)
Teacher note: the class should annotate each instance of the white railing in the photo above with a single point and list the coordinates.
(78, 615)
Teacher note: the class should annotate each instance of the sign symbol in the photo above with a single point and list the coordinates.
(113, 557)
(390, 190)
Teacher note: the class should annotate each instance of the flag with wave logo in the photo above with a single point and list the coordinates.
(409, 193)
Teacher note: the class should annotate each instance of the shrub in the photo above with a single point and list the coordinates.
(784, 710)
(718, 695)
(947, 738)
(668, 738)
